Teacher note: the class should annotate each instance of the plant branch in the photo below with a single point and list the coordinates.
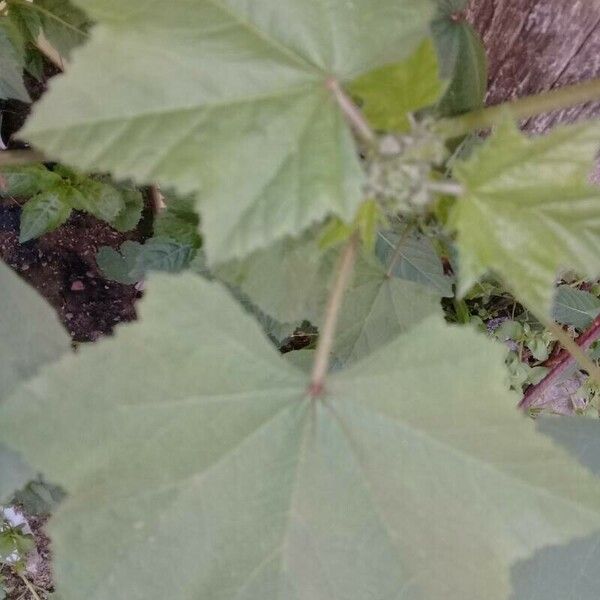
(351, 112)
(566, 360)
(334, 304)
(522, 108)
(29, 586)
(20, 157)
(156, 199)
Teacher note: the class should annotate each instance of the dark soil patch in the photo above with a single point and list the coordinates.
(61, 265)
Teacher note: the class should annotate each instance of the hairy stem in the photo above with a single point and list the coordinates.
(447, 188)
(574, 353)
(522, 108)
(156, 199)
(351, 112)
(20, 157)
(334, 304)
(29, 586)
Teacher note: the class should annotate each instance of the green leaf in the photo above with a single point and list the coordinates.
(575, 307)
(528, 211)
(64, 25)
(463, 62)
(179, 221)
(391, 93)
(376, 309)
(30, 337)
(567, 571)
(100, 199)
(131, 213)
(12, 57)
(26, 181)
(418, 261)
(227, 87)
(44, 212)
(213, 453)
(133, 260)
(286, 281)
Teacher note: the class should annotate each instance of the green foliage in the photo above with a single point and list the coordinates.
(377, 309)
(390, 94)
(30, 337)
(358, 464)
(575, 307)
(53, 194)
(416, 260)
(404, 470)
(45, 212)
(12, 56)
(133, 260)
(21, 24)
(64, 25)
(520, 193)
(463, 61)
(192, 94)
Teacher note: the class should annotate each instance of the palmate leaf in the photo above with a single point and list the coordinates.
(391, 93)
(528, 211)
(463, 61)
(377, 308)
(205, 447)
(30, 337)
(418, 261)
(225, 99)
(569, 571)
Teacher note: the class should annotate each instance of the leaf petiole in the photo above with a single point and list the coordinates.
(529, 106)
(334, 304)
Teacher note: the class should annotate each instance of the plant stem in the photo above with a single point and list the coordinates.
(334, 304)
(447, 188)
(574, 353)
(351, 112)
(564, 97)
(156, 199)
(20, 157)
(29, 586)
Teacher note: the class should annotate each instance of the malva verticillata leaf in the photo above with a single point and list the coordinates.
(417, 260)
(528, 211)
(228, 100)
(390, 94)
(377, 308)
(463, 62)
(194, 439)
(30, 337)
(574, 307)
(12, 59)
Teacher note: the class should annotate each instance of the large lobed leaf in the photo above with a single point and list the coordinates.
(30, 337)
(227, 99)
(528, 211)
(413, 477)
(377, 308)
